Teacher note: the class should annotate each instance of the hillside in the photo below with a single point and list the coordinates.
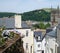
(6, 14)
(36, 15)
(47, 9)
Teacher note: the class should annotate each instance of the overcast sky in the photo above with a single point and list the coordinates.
(20, 6)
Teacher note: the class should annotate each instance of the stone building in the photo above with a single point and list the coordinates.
(55, 16)
(55, 21)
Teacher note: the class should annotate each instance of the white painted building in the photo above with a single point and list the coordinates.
(14, 24)
(47, 43)
(11, 22)
(51, 44)
(27, 38)
(32, 43)
(39, 42)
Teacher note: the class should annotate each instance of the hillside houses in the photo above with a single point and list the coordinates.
(34, 41)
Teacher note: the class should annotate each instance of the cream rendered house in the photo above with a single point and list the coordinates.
(27, 39)
(27, 35)
(14, 24)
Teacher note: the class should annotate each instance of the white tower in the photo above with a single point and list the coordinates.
(17, 21)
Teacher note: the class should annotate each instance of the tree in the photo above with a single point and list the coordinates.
(2, 40)
(41, 25)
(36, 26)
(47, 25)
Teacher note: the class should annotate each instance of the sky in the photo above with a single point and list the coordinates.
(20, 6)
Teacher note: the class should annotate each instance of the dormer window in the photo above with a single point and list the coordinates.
(38, 45)
(38, 37)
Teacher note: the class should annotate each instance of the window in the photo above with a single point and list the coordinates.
(38, 37)
(38, 45)
(27, 33)
(51, 50)
(43, 51)
(31, 49)
(56, 48)
(26, 46)
(40, 51)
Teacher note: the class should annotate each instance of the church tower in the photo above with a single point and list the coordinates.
(52, 16)
(55, 16)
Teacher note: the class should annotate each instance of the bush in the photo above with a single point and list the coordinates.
(2, 41)
(41, 25)
(47, 25)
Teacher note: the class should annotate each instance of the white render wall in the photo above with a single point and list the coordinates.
(51, 44)
(17, 21)
(47, 44)
(27, 39)
(36, 48)
(42, 46)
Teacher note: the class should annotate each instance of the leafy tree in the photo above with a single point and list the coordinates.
(47, 25)
(41, 25)
(36, 15)
(11, 34)
(2, 40)
(36, 26)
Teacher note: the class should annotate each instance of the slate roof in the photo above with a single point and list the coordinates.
(52, 33)
(24, 24)
(48, 30)
(39, 33)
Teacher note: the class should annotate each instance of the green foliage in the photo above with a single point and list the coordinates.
(36, 15)
(1, 30)
(41, 25)
(3, 27)
(2, 41)
(0, 34)
(36, 26)
(47, 25)
(6, 14)
(11, 34)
